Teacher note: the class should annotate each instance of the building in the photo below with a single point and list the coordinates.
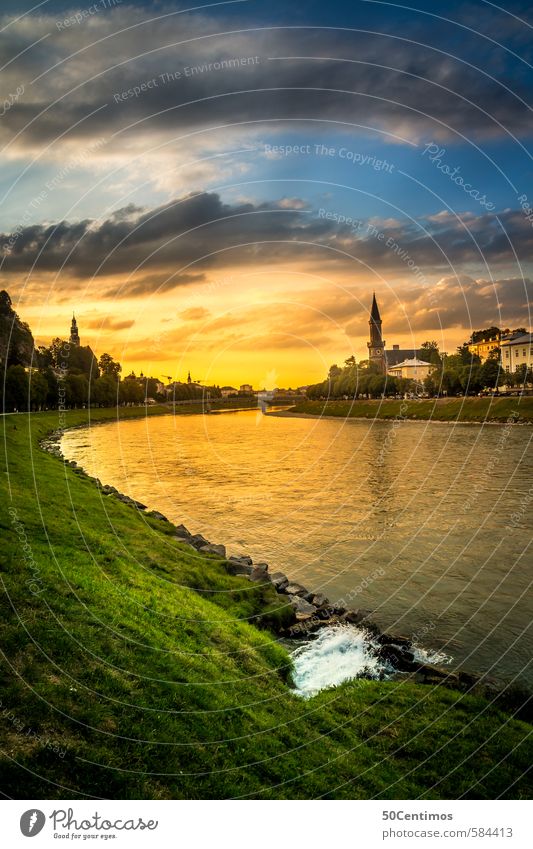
(246, 389)
(413, 369)
(228, 391)
(74, 338)
(516, 351)
(376, 345)
(397, 355)
(484, 347)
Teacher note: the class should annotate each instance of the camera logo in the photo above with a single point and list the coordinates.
(32, 822)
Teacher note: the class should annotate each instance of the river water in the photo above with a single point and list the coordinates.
(429, 525)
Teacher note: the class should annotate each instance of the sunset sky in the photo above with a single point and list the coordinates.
(198, 221)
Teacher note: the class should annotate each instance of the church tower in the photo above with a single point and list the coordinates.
(74, 335)
(376, 346)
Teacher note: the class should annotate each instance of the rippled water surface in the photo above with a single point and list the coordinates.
(429, 525)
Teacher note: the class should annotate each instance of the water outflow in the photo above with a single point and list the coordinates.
(342, 653)
(338, 654)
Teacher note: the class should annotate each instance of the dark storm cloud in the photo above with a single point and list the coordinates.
(196, 228)
(181, 74)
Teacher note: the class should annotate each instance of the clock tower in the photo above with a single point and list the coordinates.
(74, 335)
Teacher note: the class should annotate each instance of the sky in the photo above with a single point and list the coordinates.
(220, 188)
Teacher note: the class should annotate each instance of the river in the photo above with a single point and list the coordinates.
(429, 525)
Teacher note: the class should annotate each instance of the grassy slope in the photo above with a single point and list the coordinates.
(142, 663)
(443, 409)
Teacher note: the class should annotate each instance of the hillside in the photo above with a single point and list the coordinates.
(16, 340)
(133, 667)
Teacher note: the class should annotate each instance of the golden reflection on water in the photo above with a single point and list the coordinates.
(410, 519)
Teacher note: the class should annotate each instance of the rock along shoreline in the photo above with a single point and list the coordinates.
(312, 612)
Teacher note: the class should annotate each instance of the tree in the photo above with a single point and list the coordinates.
(450, 381)
(467, 357)
(150, 388)
(71, 359)
(108, 366)
(52, 397)
(77, 387)
(44, 357)
(491, 373)
(38, 390)
(432, 382)
(522, 375)
(376, 385)
(131, 392)
(470, 378)
(104, 391)
(334, 371)
(59, 351)
(429, 352)
(485, 335)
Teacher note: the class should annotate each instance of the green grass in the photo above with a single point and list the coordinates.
(151, 672)
(442, 409)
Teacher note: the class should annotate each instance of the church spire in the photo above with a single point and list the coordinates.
(376, 345)
(374, 312)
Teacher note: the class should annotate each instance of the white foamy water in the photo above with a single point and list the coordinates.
(339, 654)
(342, 653)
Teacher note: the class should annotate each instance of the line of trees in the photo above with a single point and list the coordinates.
(60, 375)
(192, 392)
(461, 373)
(49, 384)
(362, 380)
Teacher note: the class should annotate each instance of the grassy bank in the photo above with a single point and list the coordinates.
(134, 667)
(442, 409)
